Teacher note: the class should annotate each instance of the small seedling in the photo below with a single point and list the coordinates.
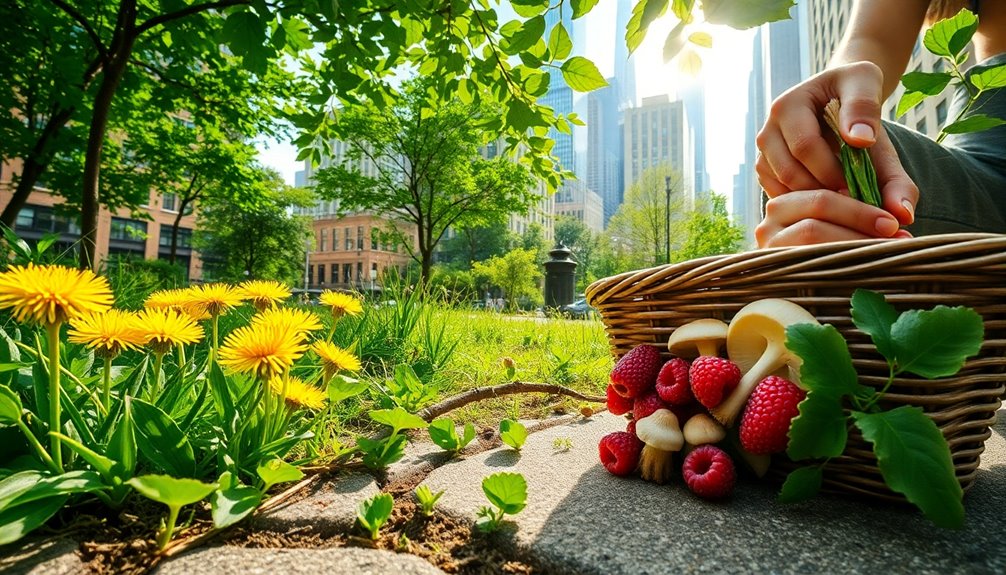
(427, 499)
(508, 494)
(175, 493)
(513, 433)
(444, 434)
(378, 454)
(562, 444)
(374, 512)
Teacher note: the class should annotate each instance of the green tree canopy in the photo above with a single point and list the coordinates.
(708, 230)
(641, 220)
(517, 273)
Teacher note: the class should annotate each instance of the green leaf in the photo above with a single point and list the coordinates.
(161, 441)
(171, 491)
(10, 406)
(674, 42)
(221, 393)
(244, 32)
(582, 7)
(230, 505)
(936, 342)
(122, 445)
(103, 465)
(683, 10)
(468, 435)
(529, 8)
(278, 471)
(915, 460)
(373, 512)
(948, 37)
(507, 491)
(513, 433)
(874, 316)
(444, 435)
(19, 520)
(703, 39)
(343, 387)
(929, 83)
(801, 484)
(30, 486)
(744, 14)
(643, 14)
(988, 77)
(908, 101)
(398, 419)
(13, 486)
(975, 123)
(559, 43)
(526, 36)
(827, 366)
(820, 430)
(581, 74)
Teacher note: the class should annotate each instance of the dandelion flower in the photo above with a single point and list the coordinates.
(335, 359)
(163, 329)
(52, 294)
(213, 299)
(263, 350)
(109, 333)
(341, 303)
(298, 320)
(167, 298)
(263, 294)
(299, 393)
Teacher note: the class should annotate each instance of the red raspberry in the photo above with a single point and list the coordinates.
(770, 409)
(617, 404)
(713, 378)
(620, 452)
(631, 427)
(709, 472)
(636, 372)
(647, 404)
(672, 383)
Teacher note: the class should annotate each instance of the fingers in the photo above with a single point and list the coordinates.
(898, 192)
(816, 216)
(859, 88)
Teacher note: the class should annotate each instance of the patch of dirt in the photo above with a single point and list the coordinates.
(120, 542)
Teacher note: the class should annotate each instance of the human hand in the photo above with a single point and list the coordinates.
(818, 216)
(796, 155)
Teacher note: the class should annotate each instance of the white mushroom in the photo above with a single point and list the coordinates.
(701, 429)
(756, 342)
(661, 434)
(700, 337)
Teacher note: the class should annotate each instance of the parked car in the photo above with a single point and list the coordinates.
(579, 309)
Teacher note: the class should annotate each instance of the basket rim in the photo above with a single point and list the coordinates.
(806, 255)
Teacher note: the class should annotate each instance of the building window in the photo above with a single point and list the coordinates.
(941, 113)
(920, 127)
(335, 273)
(375, 236)
(169, 202)
(335, 241)
(373, 271)
(25, 218)
(359, 272)
(349, 239)
(184, 237)
(324, 240)
(128, 230)
(321, 274)
(359, 238)
(347, 273)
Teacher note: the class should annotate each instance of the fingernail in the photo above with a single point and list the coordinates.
(910, 208)
(862, 132)
(886, 227)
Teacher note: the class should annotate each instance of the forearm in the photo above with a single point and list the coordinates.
(882, 32)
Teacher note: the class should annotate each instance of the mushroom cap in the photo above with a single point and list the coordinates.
(760, 324)
(660, 430)
(684, 340)
(701, 429)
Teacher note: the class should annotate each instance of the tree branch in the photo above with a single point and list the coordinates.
(187, 11)
(91, 32)
(480, 393)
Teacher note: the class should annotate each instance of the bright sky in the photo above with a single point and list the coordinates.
(725, 73)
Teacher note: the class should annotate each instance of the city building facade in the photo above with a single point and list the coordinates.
(576, 200)
(657, 133)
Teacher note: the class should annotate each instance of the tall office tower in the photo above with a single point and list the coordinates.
(694, 97)
(656, 133)
(560, 96)
(575, 199)
(827, 21)
(747, 192)
(604, 149)
(625, 65)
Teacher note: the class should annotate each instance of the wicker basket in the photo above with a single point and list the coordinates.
(646, 306)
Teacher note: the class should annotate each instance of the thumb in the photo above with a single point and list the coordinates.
(859, 88)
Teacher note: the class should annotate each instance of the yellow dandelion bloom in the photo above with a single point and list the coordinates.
(298, 320)
(164, 328)
(341, 303)
(108, 333)
(167, 298)
(299, 393)
(53, 294)
(262, 350)
(263, 294)
(335, 359)
(213, 299)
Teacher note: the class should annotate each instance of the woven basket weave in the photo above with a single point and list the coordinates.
(646, 306)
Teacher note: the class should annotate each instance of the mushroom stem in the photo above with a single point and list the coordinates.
(772, 359)
(709, 348)
(656, 465)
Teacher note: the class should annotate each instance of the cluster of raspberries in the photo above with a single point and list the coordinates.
(642, 383)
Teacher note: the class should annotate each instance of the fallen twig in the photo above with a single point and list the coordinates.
(479, 393)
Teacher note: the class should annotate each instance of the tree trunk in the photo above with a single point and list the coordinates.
(121, 49)
(35, 164)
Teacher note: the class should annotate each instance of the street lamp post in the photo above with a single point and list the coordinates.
(307, 262)
(667, 215)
